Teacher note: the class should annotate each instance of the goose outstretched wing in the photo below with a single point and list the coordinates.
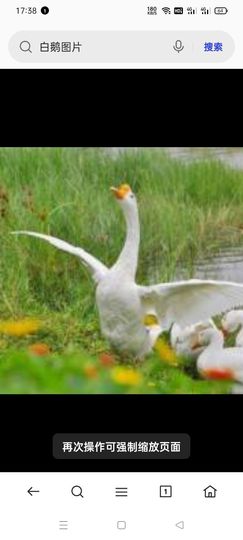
(97, 268)
(187, 302)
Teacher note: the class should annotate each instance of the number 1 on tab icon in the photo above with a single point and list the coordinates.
(165, 491)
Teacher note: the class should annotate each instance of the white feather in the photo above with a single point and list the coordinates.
(217, 358)
(98, 269)
(122, 304)
(187, 302)
(182, 339)
(231, 322)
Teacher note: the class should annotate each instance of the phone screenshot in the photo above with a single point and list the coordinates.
(116, 35)
(121, 348)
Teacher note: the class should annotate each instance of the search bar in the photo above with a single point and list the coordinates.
(88, 47)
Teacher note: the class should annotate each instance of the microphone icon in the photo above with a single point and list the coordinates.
(178, 46)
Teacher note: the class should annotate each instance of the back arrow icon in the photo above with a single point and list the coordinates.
(31, 491)
(180, 524)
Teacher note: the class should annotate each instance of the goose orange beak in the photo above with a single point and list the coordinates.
(121, 191)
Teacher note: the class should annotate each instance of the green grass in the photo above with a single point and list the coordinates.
(22, 372)
(186, 211)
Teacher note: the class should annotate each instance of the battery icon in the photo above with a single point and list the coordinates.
(220, 10)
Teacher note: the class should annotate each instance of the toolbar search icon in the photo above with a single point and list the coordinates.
(178, 46)
(77, 491)
(25, 46)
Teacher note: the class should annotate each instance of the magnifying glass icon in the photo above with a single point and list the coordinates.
(77, 491)
(25, 46)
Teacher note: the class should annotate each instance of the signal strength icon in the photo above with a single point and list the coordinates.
(191, 11)
(166, 10)
(205, 11)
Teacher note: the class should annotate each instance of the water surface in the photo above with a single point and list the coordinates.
(226, 265)
(228, 155)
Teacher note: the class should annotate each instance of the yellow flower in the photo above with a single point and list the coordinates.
(150, 320)
(19, 328)
(126, 376)
(165, 352)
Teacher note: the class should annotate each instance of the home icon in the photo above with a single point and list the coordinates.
(210, 492)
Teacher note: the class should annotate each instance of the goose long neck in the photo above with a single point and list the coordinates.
(128, 259)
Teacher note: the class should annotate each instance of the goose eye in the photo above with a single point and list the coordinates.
(131, 196)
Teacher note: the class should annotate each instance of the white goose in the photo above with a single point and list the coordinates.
(231, 322)
(123, 304)
(182, 339)
(215, 362)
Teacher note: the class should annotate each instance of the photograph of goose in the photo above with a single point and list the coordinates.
(121, 270)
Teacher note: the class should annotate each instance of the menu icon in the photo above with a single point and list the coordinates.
(63, 525)
(121, 491)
